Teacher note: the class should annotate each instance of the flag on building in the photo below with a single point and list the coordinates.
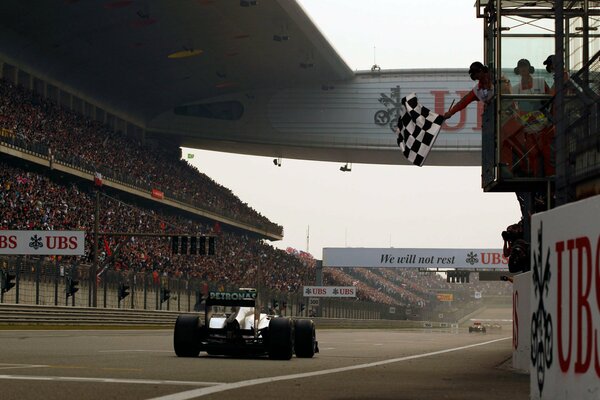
(97, 179)
(419, 128)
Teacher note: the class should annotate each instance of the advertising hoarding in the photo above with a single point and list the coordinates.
(565, 302)
(414, 258)
(66, 243)
(329, 291)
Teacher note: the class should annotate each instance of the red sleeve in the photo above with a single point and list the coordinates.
(463, 103)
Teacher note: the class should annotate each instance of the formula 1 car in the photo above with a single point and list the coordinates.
(477, 327)
(243, 330)
(495, 327)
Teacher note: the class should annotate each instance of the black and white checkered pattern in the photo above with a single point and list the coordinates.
(419, 128)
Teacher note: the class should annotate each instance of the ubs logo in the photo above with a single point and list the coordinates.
(541, 321)
(472, 258)
(390, 114)
(36, 242)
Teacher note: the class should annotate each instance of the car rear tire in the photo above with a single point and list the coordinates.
(304, 338)
(281, 339)
(186, 338)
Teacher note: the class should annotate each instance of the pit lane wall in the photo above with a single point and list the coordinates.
(565, 302)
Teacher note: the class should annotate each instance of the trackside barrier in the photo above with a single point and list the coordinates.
(19, 314)
(28, 315)
(43, 282)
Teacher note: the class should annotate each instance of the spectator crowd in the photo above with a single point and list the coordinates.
(32, 201)
(30, 120)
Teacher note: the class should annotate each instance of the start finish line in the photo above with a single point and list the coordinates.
(414, 258)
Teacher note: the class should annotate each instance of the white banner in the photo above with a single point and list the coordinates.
(329, 291)
(65, 243)
(414, 258)
(565, 302)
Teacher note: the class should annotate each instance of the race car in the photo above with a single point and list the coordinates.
(233, 326)
(477, 327)
(492, 327)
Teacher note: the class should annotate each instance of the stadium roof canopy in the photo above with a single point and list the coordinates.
(143, 60)
(147, 57)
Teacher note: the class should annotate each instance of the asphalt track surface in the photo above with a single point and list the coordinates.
(353, 364)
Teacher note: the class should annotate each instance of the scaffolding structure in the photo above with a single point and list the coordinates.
(541, 131)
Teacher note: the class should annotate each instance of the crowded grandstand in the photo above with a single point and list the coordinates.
(34, 197)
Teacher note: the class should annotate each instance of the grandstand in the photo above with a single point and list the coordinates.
(39, 197)
(64, 121)
(32, 122)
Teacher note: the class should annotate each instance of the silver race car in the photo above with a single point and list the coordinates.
(233, 326)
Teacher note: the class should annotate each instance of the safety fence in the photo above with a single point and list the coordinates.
(58, 283)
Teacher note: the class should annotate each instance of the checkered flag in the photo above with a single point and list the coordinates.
(419, 128)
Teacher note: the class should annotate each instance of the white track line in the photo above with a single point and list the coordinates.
(20, 366)
(106, 380)
(135, 351)
(192, 394)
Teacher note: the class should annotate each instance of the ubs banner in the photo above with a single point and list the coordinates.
(66, 243)
(329, 291)
(565, 302)
(414, 258)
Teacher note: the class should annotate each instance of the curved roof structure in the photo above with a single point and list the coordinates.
(246, 76)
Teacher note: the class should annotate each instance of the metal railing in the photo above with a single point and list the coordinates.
(582, 127)
(45, 282)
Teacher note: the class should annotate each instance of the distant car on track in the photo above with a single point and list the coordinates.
(495, 327)
(477, 327)
(242, 330)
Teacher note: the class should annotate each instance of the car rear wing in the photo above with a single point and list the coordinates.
(241, 299)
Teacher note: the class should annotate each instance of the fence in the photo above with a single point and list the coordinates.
(46, 282)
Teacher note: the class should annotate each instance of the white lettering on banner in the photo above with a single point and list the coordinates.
(66, 243)
(414, 258)
(329, 291)
(232, 295)
(565, 302)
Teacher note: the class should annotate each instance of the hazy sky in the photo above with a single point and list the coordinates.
(376, 205)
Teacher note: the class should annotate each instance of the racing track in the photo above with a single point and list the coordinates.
(353, 364)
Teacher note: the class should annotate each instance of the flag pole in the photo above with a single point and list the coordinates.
(451, 104)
